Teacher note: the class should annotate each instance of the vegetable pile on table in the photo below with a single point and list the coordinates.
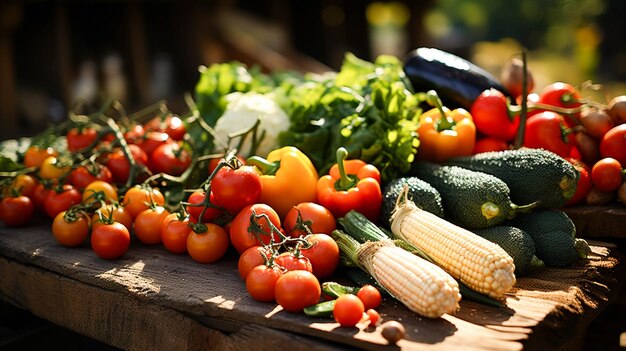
(422, 181)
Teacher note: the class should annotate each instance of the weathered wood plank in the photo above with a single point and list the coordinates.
(599, 221)
(157, 290)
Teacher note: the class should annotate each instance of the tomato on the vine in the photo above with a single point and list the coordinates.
(606, 174)
(25, 184)
(16, 211)
(112, 212)
(139, 198)
(34, 155)
(252, 257)
(110, 241)
(147, 224)
(70, 233)
(290, 262)
(152, 140)
(119, 165)
(52, 168)
(208, 246)
(40, 195)
(174, 233)
(548, 130)
(348, 310)
(492, 116)
(216, 161)
(242, 238)
(613, 144)
(170, 158)
(318, 218)
(323, 254)
(99, 190)
(172, 125)
(561, 95)
(237, 188)
(195, 209)
(261, 282)
(296, 290)
(62, 199)
(81, 176)
(80, 138)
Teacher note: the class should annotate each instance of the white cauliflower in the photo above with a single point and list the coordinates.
(242, 111)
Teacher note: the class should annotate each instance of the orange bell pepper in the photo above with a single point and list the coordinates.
(445, 133)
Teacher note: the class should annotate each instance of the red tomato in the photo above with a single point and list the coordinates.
(291, 262)
(134, 133)
(119, 165)
(261, 282)
(208, 246)
(488, 144)
(57, 202)
(35, 155)
(172, 125)
(152, 140)
(373, 316)
(548, 130)
(296, 290)
(348, 310)
(147, 224)
(138, 199)
(110, 241)
(606, 174)
(492, 117)
(235, 189)
(215, 161)
(239, 235)
(370, 296)
(40, 195)
(25, 184)
(16, 211)
(81, 176)
(562, 95)
(72, 233)
(584, 181)
(80, 138)
(174, 233)
(252, 257)
(112, 212)
(198, 197)
(613, 144)
(323, 254)
(316, 217)
(170, 158)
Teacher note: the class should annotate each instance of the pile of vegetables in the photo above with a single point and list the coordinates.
(420, 195)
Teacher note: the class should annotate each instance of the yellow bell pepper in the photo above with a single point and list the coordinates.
(288, 178)
(445, 133)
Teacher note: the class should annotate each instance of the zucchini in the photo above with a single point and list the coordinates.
(420, 192)
(361, 228)
(457, 81)
(517, 243)
(470, 199)
(531, 174)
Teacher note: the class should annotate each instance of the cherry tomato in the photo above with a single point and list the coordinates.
(80, 138)
(147, 224)
(215, 161)
(99, 190)
(40, 195)
(52, 168)
(172, 125)
(613, 144)
(252, 257)
(606, 174)
(25, 184)
(261, 282)
(562, 95)
(174, 233)
(81, 176)
(119, 164)
(152, 140)
(235, 189)
(198, 197)
(16, 211)
(370, 296)
(318, 218)
(291, 262)
(492, 117)
(323, 254)
(34, 155)
(170, 158)
(583, 187)
(62, 200)
(296, 290)
(70, 233)
(373, 316)
(110, 241)
(348, 310)
(208, 246)
(239, 235)
(487, 144)
(113, 212)
(138, 199)
(134, 133)
(548, 130)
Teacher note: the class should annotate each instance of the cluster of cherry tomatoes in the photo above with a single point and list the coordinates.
(589, 134)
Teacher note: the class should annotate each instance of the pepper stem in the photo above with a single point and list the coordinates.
(444, 123)
(344, 182)
(264, 166)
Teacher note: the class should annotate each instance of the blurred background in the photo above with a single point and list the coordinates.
(56, 53)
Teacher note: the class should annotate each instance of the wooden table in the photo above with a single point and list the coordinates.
(608, 221)
(153, 300)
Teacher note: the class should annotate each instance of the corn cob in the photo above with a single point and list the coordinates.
(476, 262)
(420, 285)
